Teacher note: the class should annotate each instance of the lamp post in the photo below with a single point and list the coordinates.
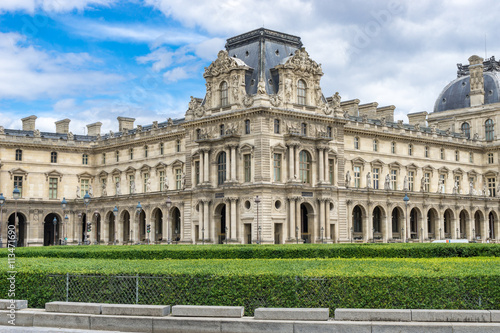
(406, 199)
(2, 202)
(138, 210)
(86, 201)
(259, 230)
(115, 214)
(64, 204)
(297, 234)
(54, 221)
(66, 220)
(169, 204)
(322, 231)
(16, 194)
(257, 201)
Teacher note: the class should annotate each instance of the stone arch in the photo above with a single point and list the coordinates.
(433, 224)
(21, 228)
(379, 216)
(111, 227)
(97, 228)
(397, 224)
(448, 222)
(478, 225)
(157, 224)
(52, 229)
(464, 225)
(307, 223)
(221, 223)
(175, 224)
(358, 218)
(416, 228)
(493, 225)
(125, 223)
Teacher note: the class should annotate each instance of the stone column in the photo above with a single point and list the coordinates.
(440, 229)
(181, 232)
(321, 165)
(234, 176)
(291, 162)
(424, 224)
(206, 167)
(233, 218)
(469, 225)
(298, 218)
(206, 221)
(321, 216)
(297, 166)
(291, 221)
(388, 226)
(327, 220)
(326, 167)
(202, 167)
(369, 223)
(228, 218)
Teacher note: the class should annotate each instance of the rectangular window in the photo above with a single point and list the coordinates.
(393, 147)
(331, 168)
(277, 167)
(84, 186)
(426, 151)
(427, 179)
(53, 188)
(131, 153)
(248, 167)
(162, 181)
(357, 177)
(356, 143)
(18, 181)
(161, 148)
(146, 151)
(85, 159)
(471, 157)
(131, 184)
(490, 158)
(276, 126)
(376, 175)
(19, 155)
(442, 153)
(375, 145)
(491, 187)
(457, 183)
(178, 146)
(394, 179)
(247, 126)
(145, 185)
(457, 155)
(442, 183)
(103, 158)
(197, 172)
(117, 156)
(178, 179)
(411, 177)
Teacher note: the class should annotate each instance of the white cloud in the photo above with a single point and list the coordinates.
(176, 74)
(30, 73)
(51, 6)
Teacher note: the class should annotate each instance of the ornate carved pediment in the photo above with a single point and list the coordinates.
(245, 149)
(130, 170)
(411, 166)
(195, 108)
(18, 172)
(53, 174)
(116, 172)
(458, 171)
(85, 175)
(177, 164)
(102, 174)
(443, 170)
(223, 64)
(145, 168)
(395, 165)
(376, 163)
(301, 62)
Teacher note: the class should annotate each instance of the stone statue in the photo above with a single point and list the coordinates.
(422, 184)
(498, 190)
(78, 193)
(405, 184)
(387, 184)
(132, 187)
(70, 136)
(148, 185)
(441, 188)
(2, 130)
(288, 89)
(183, 179)
(261, 87)
(471, 188)
(208, 96)
(485, 190)
(36, 133)
(336, 101)
(91, 191)
(170, 122)
(347, 179)
(104, 192)
(165, 183)
(118, 189)
(455, 187)
(111, 134)
(368, 180)
(475, 137)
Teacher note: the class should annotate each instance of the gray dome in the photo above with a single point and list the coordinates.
(456, 94)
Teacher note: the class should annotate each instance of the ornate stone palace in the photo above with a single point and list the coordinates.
(265, 157)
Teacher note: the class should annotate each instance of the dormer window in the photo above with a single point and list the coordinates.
(223, 94)
(301, 92)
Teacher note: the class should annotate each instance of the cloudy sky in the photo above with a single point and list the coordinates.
(95, 60)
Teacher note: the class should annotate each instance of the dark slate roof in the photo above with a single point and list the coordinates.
(262, 49)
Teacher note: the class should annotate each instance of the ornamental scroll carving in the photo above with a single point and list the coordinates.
(301, 62)
(223, 64)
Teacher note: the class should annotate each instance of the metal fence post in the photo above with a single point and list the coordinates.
(67, 287)
(137, 289)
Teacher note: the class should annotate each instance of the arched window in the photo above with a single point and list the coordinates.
(357, 219)
(466, 130)
(301, 92)
(221, 168)
(53, 157)
(85, 159)
(305, 167)
(303, 129)
(488, 130)
(19, 155)
(247, 126)
(223, 94)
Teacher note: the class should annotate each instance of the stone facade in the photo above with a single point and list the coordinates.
(323, 170)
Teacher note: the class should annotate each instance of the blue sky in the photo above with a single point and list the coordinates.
(95, 60)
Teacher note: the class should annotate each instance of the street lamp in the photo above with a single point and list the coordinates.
(259, 230)
(2, 202)
(86, 201)
(115, 213)
(64, 204)
(257, 201)
(54, 221)
(406, 199)
(297, 234)
(169, 204)
(138, 210)
(16, 194)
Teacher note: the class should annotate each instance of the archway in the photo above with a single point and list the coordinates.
(84, 228)
(306, 227)
(357, 223)
(126, 227)
(432, 217)
(447, 218)
(20, 228)
(51, 224)
(158, 219)
(111, 228)
(96, 228)
(491, 225)
(415, 233)
(220, 224)
(142, 227)
(478, 222)
(397, 224)
(175, 224)
(462, 224)
(379, 225)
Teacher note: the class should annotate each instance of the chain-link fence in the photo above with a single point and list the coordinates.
(291, 292)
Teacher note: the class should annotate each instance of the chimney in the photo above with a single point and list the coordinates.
(476, 81)
(418, 118)
(29, 123)
(369, 110)
(387, 112)
(62, 126)
(125, 123)
(351, 106)
(94, 129)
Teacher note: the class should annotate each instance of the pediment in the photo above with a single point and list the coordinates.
(395, 165)
(130, 170)
(18, 172)
(116, 172)
(443, 170)
(177, 164)
(85, 175)
(53, 174)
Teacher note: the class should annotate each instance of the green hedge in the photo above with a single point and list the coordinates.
(411, 250)
(455, 283)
